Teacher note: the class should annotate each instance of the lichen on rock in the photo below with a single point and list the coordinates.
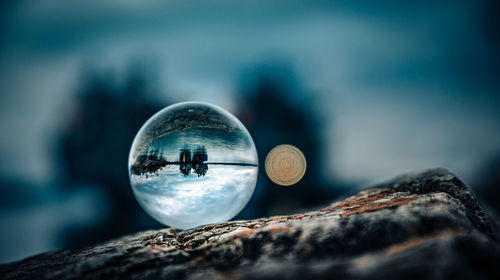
(426, 225)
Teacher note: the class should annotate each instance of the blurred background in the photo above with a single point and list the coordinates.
(366, 89)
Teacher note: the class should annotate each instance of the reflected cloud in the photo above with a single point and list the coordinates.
(218, 195)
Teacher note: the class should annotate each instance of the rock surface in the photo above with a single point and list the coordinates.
(425, 225)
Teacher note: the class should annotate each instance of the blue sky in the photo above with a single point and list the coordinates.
(399, 87)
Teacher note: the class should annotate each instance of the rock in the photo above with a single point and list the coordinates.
(425, 225)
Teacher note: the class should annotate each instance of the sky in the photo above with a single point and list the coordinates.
(192, 201)
(400, 87)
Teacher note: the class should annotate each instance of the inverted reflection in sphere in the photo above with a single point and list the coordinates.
(191, 164)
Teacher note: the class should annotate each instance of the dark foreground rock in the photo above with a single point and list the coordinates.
(425, 225)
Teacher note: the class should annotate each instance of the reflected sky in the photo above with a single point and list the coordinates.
(187, 201)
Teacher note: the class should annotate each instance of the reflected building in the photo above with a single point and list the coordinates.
(185, 161)
(199, 160)
(196, 162)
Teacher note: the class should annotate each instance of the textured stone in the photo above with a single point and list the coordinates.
(425, 225)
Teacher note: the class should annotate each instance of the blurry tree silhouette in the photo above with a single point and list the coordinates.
(275, 112)
(94, 149)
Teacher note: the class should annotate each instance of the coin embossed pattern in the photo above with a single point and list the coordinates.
(285, 165)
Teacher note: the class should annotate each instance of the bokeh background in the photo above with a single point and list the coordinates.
(366, 89)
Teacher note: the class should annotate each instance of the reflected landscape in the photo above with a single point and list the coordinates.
(197, 163)
(193, 164)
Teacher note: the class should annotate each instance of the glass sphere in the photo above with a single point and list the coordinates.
(192, 164)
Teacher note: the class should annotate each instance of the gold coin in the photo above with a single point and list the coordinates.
(285, 165)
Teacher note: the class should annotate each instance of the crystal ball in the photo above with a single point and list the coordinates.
(191, 164)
